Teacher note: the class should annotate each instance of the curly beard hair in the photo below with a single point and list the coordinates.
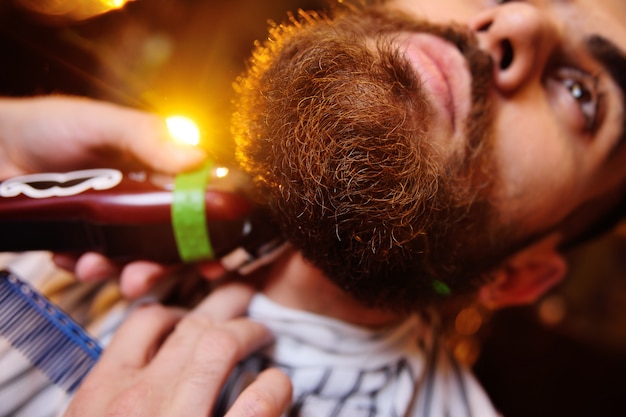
(332, 123)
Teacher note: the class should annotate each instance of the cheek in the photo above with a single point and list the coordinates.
(537, 168)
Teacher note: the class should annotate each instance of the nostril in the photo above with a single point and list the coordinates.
(484, 27)
(507, 54)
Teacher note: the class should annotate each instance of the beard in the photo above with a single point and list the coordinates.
(333, 123)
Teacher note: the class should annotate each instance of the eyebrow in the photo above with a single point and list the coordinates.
(613, 59)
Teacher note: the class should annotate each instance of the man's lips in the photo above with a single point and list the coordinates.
(444, 73)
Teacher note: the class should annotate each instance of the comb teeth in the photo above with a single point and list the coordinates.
(45, 335)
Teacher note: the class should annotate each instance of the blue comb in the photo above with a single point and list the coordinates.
(45, 335)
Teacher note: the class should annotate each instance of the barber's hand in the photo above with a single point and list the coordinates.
(135, 278)
(141, 374)
(64, 133)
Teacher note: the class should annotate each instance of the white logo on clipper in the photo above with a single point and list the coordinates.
(97, 179)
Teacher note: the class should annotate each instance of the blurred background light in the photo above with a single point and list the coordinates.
(69, 10)
(181, 57)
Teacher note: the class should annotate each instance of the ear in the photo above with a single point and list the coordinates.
(526, 275)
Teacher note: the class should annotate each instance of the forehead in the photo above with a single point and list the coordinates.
(591, 17)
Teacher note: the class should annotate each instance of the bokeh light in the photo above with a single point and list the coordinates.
(221, 172)
(70, 10)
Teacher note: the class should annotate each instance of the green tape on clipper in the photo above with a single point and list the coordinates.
(188, 215)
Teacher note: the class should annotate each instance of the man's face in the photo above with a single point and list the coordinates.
(396, 154)
(558, 111)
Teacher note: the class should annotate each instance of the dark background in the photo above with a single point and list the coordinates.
(564, 356)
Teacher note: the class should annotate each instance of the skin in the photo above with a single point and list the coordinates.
(163, 362)
(61, 133)
(549, 133)
(534, 98)
(549, 162)
(64, 133)
(549, 129)
(557, 127)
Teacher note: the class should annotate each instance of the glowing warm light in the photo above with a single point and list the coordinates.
(118, 3)
(221, 172)
(552, 310)
(71, 10)
(183, 130)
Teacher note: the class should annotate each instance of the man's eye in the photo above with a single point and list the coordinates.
(583, 88)
(579, 91)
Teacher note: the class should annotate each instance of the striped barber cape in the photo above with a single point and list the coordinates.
(341, 370)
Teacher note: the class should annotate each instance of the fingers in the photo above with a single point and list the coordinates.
(210, 331)
(226, 302)
(205, 347)
(119, 373)
(138, 277)
(64, 133)
(195, 353)
(95, 267)
(139, 337)
(150, 142)
(268, 396)
(215, 353)
(211, 270)
(168, 157)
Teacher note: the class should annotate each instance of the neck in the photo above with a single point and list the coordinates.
(295, 283)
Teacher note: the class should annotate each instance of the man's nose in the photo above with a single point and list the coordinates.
(520, 38)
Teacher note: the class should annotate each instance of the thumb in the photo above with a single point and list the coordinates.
(145, 138)
(154, 147)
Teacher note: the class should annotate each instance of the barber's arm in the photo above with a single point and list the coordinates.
(165, 362)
